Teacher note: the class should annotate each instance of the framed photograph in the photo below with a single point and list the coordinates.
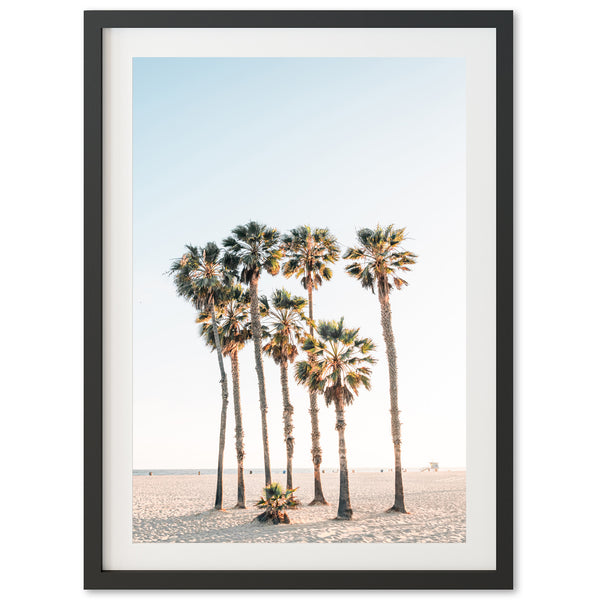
(298, 299)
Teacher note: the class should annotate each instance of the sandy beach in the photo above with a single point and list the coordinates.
(178, 508)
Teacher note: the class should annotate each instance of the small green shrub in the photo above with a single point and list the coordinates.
(276, 502)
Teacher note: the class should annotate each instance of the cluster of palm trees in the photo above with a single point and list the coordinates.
(223, 286)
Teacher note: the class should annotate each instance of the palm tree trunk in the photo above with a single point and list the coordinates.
(224, 395)
(390, 347)
(239, 429)
(314, 422)
(262, 394)
(344, 508)
(288, 428)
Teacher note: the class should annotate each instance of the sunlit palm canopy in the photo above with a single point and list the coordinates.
(233, 320)
(340, 362)
(252, 248)
(308, 254)
(200, 275)
(379, 258)
(286, 325)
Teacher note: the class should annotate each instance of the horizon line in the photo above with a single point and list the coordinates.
(460, 467)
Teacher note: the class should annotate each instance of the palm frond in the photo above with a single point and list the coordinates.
(285, 323)
(251, 249)
(339, 362)
(379, 258)
(307, 251)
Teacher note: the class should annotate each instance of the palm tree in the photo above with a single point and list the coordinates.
(378, 261)
(309, 252)
(285, 323)
(276, 502)
(234, 331)
(338, 368)
(254, 248)
(201, 278)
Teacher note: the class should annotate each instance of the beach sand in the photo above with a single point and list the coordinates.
(178, 508)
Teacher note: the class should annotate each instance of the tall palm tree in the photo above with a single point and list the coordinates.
(234, 331)
(339, 366)
(285, 325)
(201, 278)
(377, 262)
(308, 254)
(254, 248)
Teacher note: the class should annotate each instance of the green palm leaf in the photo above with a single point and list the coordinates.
(379, 258)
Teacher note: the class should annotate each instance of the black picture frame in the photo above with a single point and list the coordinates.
(95, 577)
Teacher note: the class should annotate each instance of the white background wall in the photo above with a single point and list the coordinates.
(557, 292)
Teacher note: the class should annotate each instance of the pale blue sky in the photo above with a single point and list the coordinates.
(339, 142)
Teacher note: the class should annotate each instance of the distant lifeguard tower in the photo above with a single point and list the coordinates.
(433, 466)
